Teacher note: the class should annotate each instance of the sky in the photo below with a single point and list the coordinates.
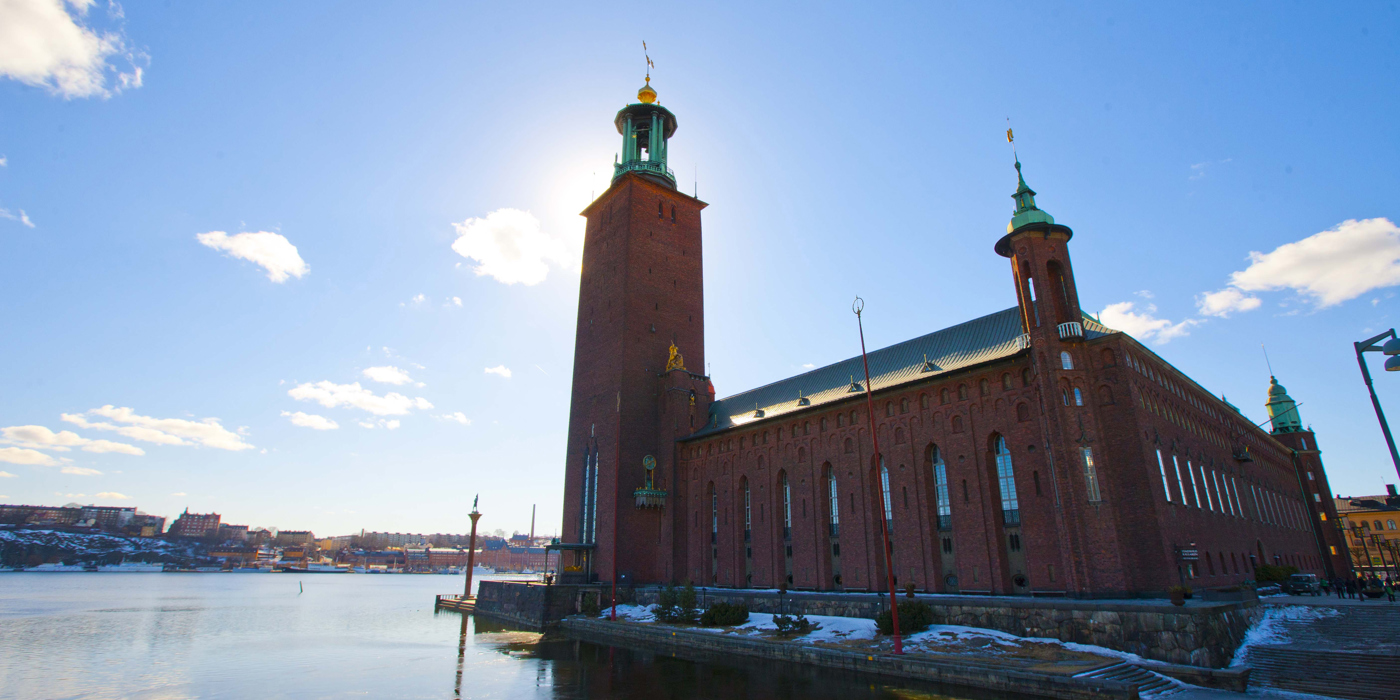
(315, 266)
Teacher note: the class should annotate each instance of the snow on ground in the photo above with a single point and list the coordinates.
(1270, 631)
(826, 628)
(632, 613)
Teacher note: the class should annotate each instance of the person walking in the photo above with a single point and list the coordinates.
(1390, 590)
(1351, 588)
(1340, 588)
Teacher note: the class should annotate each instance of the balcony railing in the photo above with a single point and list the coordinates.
(650, 498)
(1073, 329)
(1023, 341)
(643, 166)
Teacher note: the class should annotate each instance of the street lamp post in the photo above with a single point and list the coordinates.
(1391, 348)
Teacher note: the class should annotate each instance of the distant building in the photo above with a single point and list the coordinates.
(238, 555)
(108, 518)
(195, 525)
(146, 525)
(1369, 524)
(294, 537)
(335, 544)
(233, 533)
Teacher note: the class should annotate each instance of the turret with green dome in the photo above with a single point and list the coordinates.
(1283, 411)
(646, 127)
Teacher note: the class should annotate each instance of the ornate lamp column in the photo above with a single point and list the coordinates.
(475, 515)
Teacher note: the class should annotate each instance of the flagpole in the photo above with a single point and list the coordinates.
(858, 306)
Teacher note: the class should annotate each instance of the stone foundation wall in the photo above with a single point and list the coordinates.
(1199, 634)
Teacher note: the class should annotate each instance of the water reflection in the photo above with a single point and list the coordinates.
(236, 636)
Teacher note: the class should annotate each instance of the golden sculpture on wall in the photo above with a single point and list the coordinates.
(675, 361)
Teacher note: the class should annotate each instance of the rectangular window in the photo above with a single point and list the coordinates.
(1334, 549)
(940, 481)
(1006, 478)
(835, 503)
(1310, 476)
(1317, 498)
(1091, 476)
(1166, 489)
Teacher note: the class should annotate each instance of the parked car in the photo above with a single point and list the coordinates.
(1302, 584)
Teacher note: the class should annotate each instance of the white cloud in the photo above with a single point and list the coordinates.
(272, 251)
(388, 375)
(1143, 325)
(164, 431)
(380, 423)
(808, 365)
(311, 420)
(390, 424)
(1225, 302)
(6, 475)
(457, 301)
(509, 245)
(44, 45)
(331, 395)
(20, 455)
(113, 495)
(40, 438)
(23, 218)
(366, 424)
(80, 471)
(499, 370)
(4, 161)
(1327, 268)
(457, 417)
(179, 493)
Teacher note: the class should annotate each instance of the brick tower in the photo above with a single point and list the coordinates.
(640, 322)
(1287, 427)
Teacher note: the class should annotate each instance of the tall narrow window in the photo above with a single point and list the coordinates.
(1006, 479)
(1194, 493)
(835, 502)
(1091, 475)
(1162, 467)
(1180, 485)
(1066, 362)
(940, 486)
(787, 508)
(885, 491)
(714, 514)
(1215, 481)
(1235, 487)
(748, 512)
(585, 536)
(1078, 397)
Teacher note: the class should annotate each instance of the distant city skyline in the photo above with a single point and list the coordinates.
(322, 268)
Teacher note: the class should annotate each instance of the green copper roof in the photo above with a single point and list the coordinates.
(1026, 211)
(1283, 411)
(992, 337)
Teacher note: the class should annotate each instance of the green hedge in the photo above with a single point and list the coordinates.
(725, 615)
(913, 617)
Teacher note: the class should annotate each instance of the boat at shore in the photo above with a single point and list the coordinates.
(314, 569)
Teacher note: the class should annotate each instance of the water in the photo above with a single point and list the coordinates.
(175, 636)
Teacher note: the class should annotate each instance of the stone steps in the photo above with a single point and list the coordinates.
(1342, 674)
(1149, 684)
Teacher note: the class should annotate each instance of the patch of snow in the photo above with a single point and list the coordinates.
(631, 613)
(1269, 630)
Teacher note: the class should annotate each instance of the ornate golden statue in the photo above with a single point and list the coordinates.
(675, 361)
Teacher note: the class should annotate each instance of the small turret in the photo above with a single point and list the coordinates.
(1283, 411)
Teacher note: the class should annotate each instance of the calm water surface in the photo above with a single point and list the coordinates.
(170, 636)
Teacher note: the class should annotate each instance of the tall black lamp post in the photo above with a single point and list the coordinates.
(1391, 348)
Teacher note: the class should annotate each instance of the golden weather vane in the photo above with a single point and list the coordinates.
(1011, 139)
(650, 65)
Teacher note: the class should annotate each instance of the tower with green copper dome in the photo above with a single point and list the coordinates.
(1283, 411)
(646, 129)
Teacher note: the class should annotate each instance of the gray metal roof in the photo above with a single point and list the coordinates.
(981, 340)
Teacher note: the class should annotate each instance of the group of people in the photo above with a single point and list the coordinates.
(1355, 588)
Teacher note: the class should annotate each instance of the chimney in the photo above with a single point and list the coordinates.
(1390, 489)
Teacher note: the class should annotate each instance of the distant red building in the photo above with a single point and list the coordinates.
(195, 525)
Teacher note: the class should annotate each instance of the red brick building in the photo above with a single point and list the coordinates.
(1032, 450)
(195, 525)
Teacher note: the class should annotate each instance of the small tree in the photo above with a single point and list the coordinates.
(688, 607)
(725, 615)
(913, 617)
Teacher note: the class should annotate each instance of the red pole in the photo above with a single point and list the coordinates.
(859, 306)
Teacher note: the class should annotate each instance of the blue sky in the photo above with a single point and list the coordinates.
(381, 156)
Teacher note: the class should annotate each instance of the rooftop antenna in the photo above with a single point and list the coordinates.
(1266, 359)
(650, 65)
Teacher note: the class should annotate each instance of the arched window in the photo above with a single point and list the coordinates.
(821, 425)
(840, 420)
(983, 387)
(904, 405)
(660, 210)
(741, 442)
(923, 401)
(1378, 525)
(885, 490)
(853, 418)
(1091, 475)
(1078, 397)
(889, 409)
(1066, 362)
(1390, 524)
(748, 511)
(962, 392)
(673, 213)
(957, 424)
(835, 501)
(943, 396)
(1006, 480)
(1023, 411)
(760, 461)
(1026, 377)
(1006, 382)
(850, 446)
(787, 506)
(940, 488)
(899, 436)
(801, 454)
(807, 428)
